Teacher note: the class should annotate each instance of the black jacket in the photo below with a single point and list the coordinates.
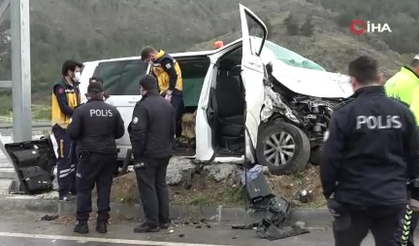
(371, 151)
(95, 126)
(152, 129)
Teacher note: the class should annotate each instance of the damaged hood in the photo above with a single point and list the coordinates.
(312, 82)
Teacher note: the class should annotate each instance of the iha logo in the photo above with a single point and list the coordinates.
(359, 27)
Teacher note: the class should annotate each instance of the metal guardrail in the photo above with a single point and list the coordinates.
(36, 126)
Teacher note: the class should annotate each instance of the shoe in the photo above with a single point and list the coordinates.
(81, 227)
(102, 226)
(165, 226)
(143, 228)
(67, 198)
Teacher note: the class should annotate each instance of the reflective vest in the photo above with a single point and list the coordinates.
(404, 86)
(73, 99)
(162, 76)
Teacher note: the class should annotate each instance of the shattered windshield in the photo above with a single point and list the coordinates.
(291, 58)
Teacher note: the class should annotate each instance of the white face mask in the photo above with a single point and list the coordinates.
(77, 76)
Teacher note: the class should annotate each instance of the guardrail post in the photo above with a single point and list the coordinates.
(21, 70)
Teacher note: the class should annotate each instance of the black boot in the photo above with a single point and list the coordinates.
(102, 226)
(143, 228)
(81, 227)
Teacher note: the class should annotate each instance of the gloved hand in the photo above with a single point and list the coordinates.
(138, 165)
(341, 216)
(335, 208)
(168, 97)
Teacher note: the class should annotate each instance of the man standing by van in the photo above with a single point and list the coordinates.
(404, 86)
(152, 131)
(95, 126)
(169, 76)
(65, 98)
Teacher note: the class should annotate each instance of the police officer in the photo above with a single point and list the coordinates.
(372, 149)
(95, 126)
(404, 85)
(152, 132)
(65, 98)
(107, 98)
(169, 77)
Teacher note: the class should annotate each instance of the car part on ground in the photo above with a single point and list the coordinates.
(34, 163)
(272, 226)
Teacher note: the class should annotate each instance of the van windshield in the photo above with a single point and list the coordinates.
(121, 77)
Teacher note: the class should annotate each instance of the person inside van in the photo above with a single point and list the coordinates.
(168, 73)
(106, 97)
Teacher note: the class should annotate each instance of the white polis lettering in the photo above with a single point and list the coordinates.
(101, 113)
(378, 122)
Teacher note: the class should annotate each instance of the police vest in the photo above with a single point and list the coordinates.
(73, 100)
(162, 76)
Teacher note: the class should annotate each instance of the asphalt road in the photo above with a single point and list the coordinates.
(26, 230)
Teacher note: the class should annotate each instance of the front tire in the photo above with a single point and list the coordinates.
(283, 148)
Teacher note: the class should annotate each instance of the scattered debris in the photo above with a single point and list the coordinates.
(49, 217)
(306, 196)
(177, 169)
(221, 171)
(300, 225)
(245, 227)
(198, 226)
(227, 192)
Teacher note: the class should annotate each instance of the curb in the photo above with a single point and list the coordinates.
(313, 218)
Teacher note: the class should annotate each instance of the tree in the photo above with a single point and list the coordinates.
(307, 29)
(291, 25)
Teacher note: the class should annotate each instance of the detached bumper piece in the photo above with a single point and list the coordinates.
(34, 163)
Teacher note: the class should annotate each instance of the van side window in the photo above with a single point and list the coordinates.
(121, 77)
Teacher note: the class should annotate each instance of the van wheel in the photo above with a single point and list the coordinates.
(283, 148)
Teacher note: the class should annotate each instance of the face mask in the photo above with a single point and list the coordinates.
(77, 76)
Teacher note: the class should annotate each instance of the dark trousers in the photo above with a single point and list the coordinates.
(95, 169)
(66, 162)
(178, 106)
(154, 194)
(413, 225)
(385, 224)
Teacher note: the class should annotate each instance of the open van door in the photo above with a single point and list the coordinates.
(254, 34)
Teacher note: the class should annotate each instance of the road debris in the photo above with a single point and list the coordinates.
(49, 217)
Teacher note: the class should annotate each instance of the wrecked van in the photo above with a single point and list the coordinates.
(242, 101)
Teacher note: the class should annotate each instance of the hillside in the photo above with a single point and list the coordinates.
(93, 29)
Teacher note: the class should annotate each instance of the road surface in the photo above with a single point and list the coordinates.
(26, 230)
